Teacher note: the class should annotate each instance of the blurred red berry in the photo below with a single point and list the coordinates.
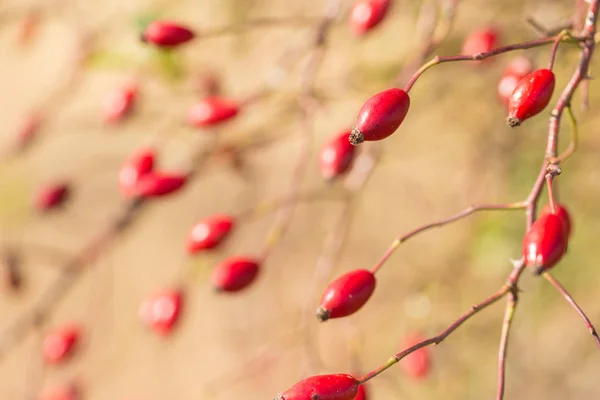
(161, 311)
(545, 243)
(212, 111)
(137, 165)
(531, 95)
(59, 344)
(323, 387)
(563, 214)
(51, 196)
(167, 34)
(209, 233)
(418, 363)
(119, 103)
(155, 184)
(380, 116)
(347, 294)
(235, 274)
(336, 156)
(516, 70)
(481, 40)
(367, 14)
(27, 131)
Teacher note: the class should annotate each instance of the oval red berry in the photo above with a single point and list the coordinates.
(154, 184)
(161, 311)
(481, 40)
(209, 233)
(59, 344)
(212, 111)
(323, 387)
(167, 34)
(418, 363)
(336, 156)
(347, 294)
(380, 116)
(545, 243)
(531, 95)
(562, 213)
(235, 274)
(118, 103)
(138, 164)
(367, 14)
(51, 196)
(516, 70)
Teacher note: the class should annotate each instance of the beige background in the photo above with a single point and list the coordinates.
(452, 150)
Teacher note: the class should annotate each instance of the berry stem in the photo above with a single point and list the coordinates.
(506, 288)
(549, 181)
(557, 285)
(554, 49)
(509, 314)
(436, 224)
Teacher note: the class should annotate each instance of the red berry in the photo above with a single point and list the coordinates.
(323, 387)
(26, 133)
(167, 34)
(516, 70)
(417, 364)
(336, 156)
(531, 95)
(367, 14)
(59, 344)
(346, 295)
(562, 212)
(118, 103)
(380, 116)
(362, 393)
(161, 311)
(69, 392)
(212, 111)
(51, 196)
(480, 41)
(545, 243)
(235, 274)
(138, 164)
(154, 184)
(209, 233)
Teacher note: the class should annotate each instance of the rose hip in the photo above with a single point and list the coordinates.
(367, 14)
(235, 274)
(58, 345)
(209, 233)
(531, 95)
(155, 184)
(167, 34)
(336, 156)
(563, 214)
(481, 40)
(380, 116)
(118, 103)
(516, 70)
(346, 295)
(545, 243)
(212, 111)
(140, 163)
(51, 196)
(417, 364)
(323, 387)
(161, 311)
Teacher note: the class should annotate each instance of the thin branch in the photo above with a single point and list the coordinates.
(509, 313)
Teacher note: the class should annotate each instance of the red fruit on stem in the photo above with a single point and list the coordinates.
(380, 116)
(336, 156)
(209, 233)
(212, 111)
(418, 363)
(155, 184)
(137, 165)
(346, 295)
(531, 95)
(516, 70)
(167, 34)
(481, 40)
(51, 196)
(323, 387)
(235, 274)
(161, 311)
(59, 344)
(119, 103)
(545, 243)
(69, 392)
(367, 14)
(562, 212)
(362, 393)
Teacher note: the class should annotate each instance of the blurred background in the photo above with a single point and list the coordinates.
(61, 58)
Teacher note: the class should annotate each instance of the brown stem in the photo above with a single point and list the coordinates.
(509, 313)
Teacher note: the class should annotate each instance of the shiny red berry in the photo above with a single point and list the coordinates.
(155, 184)
(68, 392)
(545, 243)
(51, 196)
(235, 274)
(323, 387)
(380, 116)
(59, 344)
(161, 311)
(367, 14)
(531, 95)
(481, 40)
(562, 212)
(209, 233)
(137, 165)
(167, 34)
(418, 363)
(336, 156)
(212, 111)
(118, 103)
(516, 70)
(346, 295)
